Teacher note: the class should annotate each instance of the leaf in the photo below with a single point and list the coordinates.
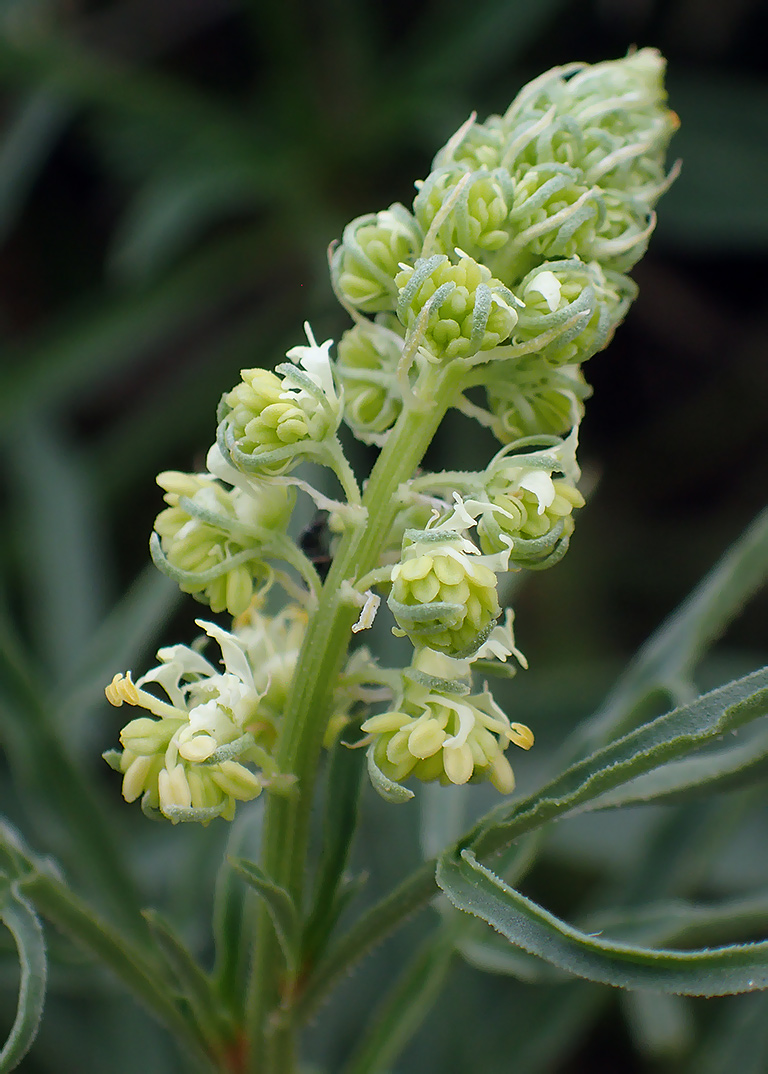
(87, 345)
(172, 210)
(281, 906)
(718, 203)
(192, 982)
(661, 1025)
(63, 557)
(667, 659)
(669, 737)
(342, 795)
(229, 913)
(708, 972)
(720, 770)
(22, 922)
(443, 816)
(138, 970)
(75, 817)
(403, 1008)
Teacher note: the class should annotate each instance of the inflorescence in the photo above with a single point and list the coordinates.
(507, 272)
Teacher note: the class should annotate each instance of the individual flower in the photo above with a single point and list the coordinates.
(571, 309)
(458, 309)
(366, 366)
(192, 762)
(436, 734)
(531, 499)
(268, 422)
(471, 209)
(444, 594)
(210, 538)
(365, 263)
(528, 397)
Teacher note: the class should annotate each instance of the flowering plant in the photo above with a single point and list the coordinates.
(487, 295)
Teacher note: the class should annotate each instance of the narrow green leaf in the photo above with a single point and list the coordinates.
(21, 921)
(230, 909)
(141, 973)
(342, 795)
(720, 770)
(403, 1008)
(172, 210)
(708, 972)
(193, 984)
(63, 558)
(121, 641)
(667, 659)
(660, 1024)
(281, 906)
(665, 739)
(75, 817)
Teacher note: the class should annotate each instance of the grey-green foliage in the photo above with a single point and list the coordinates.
(175, 162)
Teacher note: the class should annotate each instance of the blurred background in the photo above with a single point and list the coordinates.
(171, 175)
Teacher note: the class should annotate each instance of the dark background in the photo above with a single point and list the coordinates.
(171, 174)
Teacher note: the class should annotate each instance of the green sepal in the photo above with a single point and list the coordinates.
(386, 787)
(458, 687)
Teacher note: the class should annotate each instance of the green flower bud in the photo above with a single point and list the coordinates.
(531, 496)
(477, 220)
(207, 536)
(553, 215)
(467, 310)
(366, 262)
(443, 596)
(267, 424)
(527, 397)
(474, 146)
(578, 304)
(439, 735)
(368, 355)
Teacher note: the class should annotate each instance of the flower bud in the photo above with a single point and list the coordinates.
(368, 355)
(578, 304)
(477, 221)
(366, 262)
(528, 397)
(206, 526)
(467, 310)
(442, 595)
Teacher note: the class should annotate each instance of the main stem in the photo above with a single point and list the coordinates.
(304, 721)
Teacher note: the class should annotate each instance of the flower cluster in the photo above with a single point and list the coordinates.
(517, 242)
(488, 294)
(438, 730)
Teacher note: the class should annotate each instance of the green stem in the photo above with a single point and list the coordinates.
(318, 667)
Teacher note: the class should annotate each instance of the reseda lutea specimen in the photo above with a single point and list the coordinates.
(507, 273)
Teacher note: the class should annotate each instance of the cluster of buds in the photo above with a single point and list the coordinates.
(212, 538)
(517, 242)
(269, 423)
